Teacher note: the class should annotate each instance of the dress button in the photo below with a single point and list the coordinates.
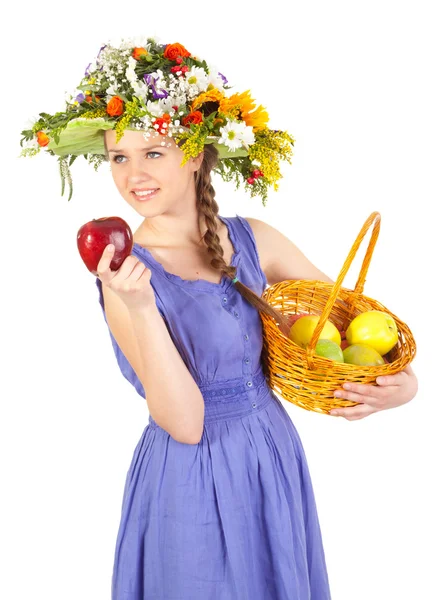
(247, 361)
(235, 313)
(246, 337)
(254, 405)
(249, 383)
(225, 299)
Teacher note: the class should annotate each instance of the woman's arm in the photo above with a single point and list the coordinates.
(173, 397)
(280, 259)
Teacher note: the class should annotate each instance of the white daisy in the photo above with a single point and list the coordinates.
(214, 78)
(161, 106)
(197, 78)
(155, 107)
(234, 135)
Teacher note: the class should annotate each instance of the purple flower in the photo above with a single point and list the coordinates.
(225, 81)
(80, 98)
(86, 72)
(100, 50)
(151, 82)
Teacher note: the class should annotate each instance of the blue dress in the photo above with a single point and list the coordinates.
(233, 517)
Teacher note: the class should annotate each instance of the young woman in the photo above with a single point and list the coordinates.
(218, 501)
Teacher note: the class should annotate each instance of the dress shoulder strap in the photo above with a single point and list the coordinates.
(248, 244)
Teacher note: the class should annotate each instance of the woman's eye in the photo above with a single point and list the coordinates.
(115, 158)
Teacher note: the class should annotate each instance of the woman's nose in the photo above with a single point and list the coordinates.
(140, 168)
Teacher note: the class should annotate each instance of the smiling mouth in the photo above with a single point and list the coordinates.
(146, 194)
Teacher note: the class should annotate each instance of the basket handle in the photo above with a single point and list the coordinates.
(374, 217)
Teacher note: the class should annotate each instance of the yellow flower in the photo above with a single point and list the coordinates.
(212, 95)
(256, 119)
(229, 108)
(243, 106)
(271, 147)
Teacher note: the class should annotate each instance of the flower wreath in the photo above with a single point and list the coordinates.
(164, 90)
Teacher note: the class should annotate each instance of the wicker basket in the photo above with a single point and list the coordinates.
(299, 375)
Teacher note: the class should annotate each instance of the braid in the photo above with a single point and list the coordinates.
(208, 206)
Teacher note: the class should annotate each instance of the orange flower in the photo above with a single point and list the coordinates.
(90, 98)
(42, 138)
(173, 51)
(138, 52)
(195, 117)
(213, 95)
(115, 107)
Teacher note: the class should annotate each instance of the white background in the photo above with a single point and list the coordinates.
(357, 86)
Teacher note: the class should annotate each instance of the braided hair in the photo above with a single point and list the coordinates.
(208, 206)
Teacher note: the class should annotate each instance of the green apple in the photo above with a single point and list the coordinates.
(329, 349)
(361, 354)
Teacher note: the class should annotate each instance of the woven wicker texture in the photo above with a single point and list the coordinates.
(299, 375)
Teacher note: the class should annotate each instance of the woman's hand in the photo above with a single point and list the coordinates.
(392, 391)
(131, 282)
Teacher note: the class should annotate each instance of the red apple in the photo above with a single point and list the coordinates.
(94, 236)
(293, 318)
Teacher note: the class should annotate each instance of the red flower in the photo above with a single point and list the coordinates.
(195, 117)
(162, 123)
(174, 51)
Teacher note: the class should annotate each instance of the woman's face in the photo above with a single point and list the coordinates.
(140, 164)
